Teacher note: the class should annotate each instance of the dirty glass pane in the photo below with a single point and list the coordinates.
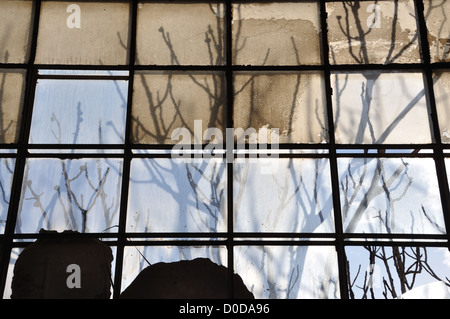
(166, 101)
(438, 25)
(441, 85)
(12, 87)
(276, 33)
(390, 195)
(390, 272)
(15, 30)
(6, 177)
(137, 258)
(81, 195)
(83, 33)
(293, 103)
(282, 195)
(380, 32)
(295, 272)
(79, 112)
(180, 34)
(177, 195)
(376, 107)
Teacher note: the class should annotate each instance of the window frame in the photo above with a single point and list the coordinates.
(230, 239)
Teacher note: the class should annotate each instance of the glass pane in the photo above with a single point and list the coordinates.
(398, 272)
(180, 34)
(376, 107)
(83, 33)
(81, 195)
(438, 25)
(175, 195)
(6, 177)
(276, 33)
(282, 195)
(441, 85)
(296, 272)
(390, 195)
(293, 103)
(166, 101)
(15, 30)
(380, 32)
(12, 87)
(79, 112)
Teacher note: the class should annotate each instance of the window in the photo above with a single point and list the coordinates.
(302, 144)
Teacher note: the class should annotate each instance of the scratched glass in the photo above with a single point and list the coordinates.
(441, 86)
(100, 37)
(289, 272)
(438, 27)
(166, 101)
(390, 196)
(12, 88)
(378, 272)
(180, 34)
(177, 195)
(380, 32)
(79, 112)
(374, 107)
(276, 33)
(77, 194)
(15, 30)
(292, 102)
(282, 195)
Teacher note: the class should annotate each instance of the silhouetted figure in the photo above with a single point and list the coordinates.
(66, 267)
(187, 279)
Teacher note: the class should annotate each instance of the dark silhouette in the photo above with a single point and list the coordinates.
(44, 270)
(41, 270)
(185, 279)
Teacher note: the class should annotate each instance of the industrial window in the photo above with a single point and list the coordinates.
(302, 144)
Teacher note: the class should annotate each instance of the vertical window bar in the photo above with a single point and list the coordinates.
(16, 187)
(228, 147)
(127, 156)
(333, 158)
(438, 149)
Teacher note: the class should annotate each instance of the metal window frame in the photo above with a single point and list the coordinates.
(229, 239)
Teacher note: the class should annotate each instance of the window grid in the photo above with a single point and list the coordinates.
(230, 238)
